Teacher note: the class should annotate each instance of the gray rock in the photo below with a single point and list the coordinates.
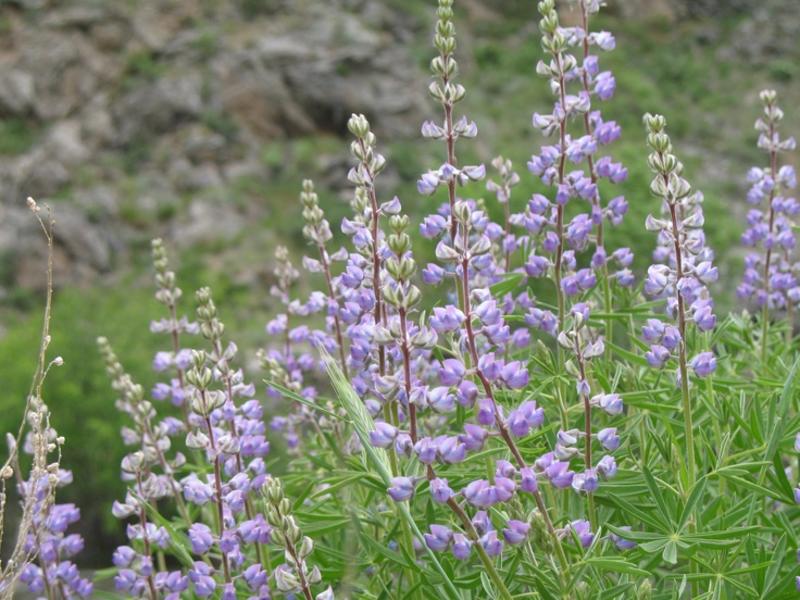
(207, 221)
(155, 23)
(16, 91)
(201, 144)
(156, 107)
(257, 98)
(66, 69)
(187, 177)
(64, 143)
(80, 250)
(78, 16)
(137, 104)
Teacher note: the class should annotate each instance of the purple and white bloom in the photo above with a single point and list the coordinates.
(704, 364)
(516, 532)
(620, 542)
(402, 488)
(439, 538)
(580, 529)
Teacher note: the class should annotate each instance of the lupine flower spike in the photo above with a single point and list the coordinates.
(772, 275)
(294, 575)
(683, 270)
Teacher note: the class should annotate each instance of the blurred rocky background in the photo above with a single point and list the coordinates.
(195, 120)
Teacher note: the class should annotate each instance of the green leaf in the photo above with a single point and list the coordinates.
(771, 576)
(695, 497)
(670, 553)
(363, 424)
(509, 284)
(631, 357)
(656, 494)
(179, 542)
(287, 393)
(616, 565)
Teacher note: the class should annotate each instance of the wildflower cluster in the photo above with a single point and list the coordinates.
(494, 423)
(684, 262)
(40, 555)
(770, 275)
(294, 575)
(546, 218)
(52, 572)
(222, 428)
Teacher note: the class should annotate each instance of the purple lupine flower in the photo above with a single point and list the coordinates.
(451, 450)
(474, 437)
(200, 537)
(528, 480)
(559, 474)
(432, 274)
(201, 576)
(514, 374)
(704, 364)
(402, 488)
(384, 435)
(608, 438)
(607, 466)
(582, 529)
(585, 482)
(620, 542)
(446, 319)
(439, 538)
(440, 490)
(525, 417)
(483, 494)
(462, 546)
(452, 371)
(491, 543)
(770, 271)
(610, 403)
(516, 532)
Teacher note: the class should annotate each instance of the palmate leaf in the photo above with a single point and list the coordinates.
(362, 424)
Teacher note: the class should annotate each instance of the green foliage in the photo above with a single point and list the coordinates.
(17, 136)
(79, 394)
(144, 64)
(220, 123)
(659, 67)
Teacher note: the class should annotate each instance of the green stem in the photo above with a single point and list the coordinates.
(764, 332)
(408, 540)
(687, 419)
(500, 586)
(609, 309)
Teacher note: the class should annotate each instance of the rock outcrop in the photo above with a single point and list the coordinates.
(181, 95)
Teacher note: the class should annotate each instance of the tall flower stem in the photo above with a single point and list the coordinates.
(300, 575)
(681, 281)
(587, 426)
(337, 324)
(218, 490)
(562, 134)
(151, 587)
(773, 168)
(168, 294)
(487, 388)
(682, 362)
(369, 165)
(587, 126)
